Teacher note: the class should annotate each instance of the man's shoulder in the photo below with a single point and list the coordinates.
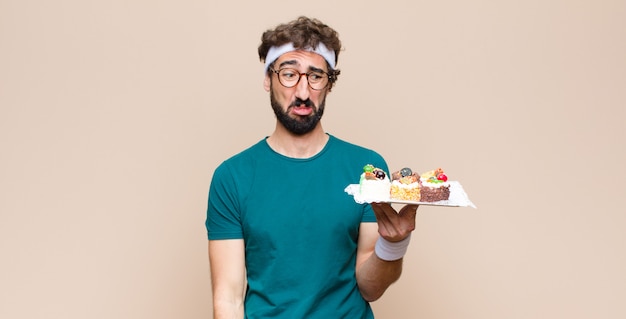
(244, 158)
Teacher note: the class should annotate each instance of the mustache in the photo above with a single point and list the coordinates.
(299, 102)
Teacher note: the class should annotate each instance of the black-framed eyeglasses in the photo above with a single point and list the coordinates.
(317, 80)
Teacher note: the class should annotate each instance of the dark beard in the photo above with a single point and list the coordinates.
(299, 125)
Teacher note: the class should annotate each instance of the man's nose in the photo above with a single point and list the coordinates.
(302, 88)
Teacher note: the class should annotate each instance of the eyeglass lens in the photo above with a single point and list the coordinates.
(291, 77)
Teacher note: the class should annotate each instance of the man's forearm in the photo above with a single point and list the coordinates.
(227, 309)
(227, 278)
(375, 275)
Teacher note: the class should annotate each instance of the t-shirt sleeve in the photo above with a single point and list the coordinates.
(223, 210)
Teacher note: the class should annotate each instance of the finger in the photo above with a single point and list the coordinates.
(385, 224)
(407, 218)
(384, 211)
(409, 209)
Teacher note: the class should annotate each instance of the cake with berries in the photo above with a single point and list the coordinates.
(405, 185)
(374, 184)
(434, 186)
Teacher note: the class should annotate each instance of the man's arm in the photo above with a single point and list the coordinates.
(373, 274)
(227, 261)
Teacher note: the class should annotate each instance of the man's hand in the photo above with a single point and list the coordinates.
(395, 226)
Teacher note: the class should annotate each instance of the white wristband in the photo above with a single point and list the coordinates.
(391, 251)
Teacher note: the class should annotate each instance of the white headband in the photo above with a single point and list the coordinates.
(275, 52)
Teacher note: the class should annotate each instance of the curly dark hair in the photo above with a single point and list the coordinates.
(303, 32)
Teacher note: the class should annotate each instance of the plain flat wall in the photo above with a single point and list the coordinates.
(113, 115)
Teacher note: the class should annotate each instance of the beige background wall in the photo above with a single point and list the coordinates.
(113, 115)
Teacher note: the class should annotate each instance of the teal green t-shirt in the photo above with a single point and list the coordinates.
(300, 228)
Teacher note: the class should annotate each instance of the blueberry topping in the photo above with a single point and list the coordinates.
(379, 174)
(406, 172)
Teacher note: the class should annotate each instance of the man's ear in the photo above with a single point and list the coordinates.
(267, 82)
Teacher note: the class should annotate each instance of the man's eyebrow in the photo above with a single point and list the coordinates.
(295, 63)
(289, 62)
(314, 69)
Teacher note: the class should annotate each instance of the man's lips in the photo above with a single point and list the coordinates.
(302, 110)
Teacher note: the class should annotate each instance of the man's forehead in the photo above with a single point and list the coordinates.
(302, 59)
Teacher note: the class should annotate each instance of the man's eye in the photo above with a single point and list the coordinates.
(288, 74)
(315, 76)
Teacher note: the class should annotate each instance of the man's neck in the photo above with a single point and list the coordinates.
(297, 146)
